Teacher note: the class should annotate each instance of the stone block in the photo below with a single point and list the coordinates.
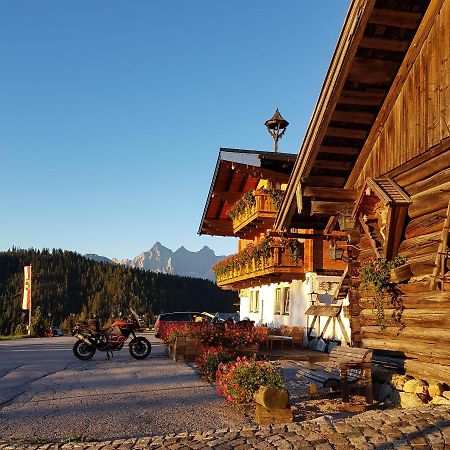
(436, 389)
(410, 385)
(438, 400)
(398, 381)
(410, 400)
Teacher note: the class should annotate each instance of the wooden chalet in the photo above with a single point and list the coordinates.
(273, 273)
(375, 164)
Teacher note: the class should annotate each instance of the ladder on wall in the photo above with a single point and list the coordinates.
(438, 277)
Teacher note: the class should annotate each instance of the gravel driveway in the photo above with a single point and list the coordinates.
(46, 394)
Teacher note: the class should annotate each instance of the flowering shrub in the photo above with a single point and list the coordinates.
(237, 381)
(209, 359)
(376, 273)
(169, 331)
(229, 335)
(211, 334)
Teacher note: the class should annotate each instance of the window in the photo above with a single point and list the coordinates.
(282, 301)
(277, 309)
(286, 300)
(254, 301)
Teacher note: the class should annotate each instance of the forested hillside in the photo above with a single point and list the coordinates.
(65, 283)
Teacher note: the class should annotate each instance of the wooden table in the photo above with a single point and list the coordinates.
(271, 338)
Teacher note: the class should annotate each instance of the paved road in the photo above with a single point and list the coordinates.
(45, 393)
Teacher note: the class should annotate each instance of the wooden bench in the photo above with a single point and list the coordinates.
(346, 366)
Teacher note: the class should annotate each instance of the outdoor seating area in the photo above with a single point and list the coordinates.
(292, 337)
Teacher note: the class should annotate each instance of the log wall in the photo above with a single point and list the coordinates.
(413, 148)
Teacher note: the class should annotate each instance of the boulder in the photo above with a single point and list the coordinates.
(436, 389)
(446, 394)
(411, 385)
(410, 400)
(398, 381)
(384, 392)
(422, 388)
(438, 400)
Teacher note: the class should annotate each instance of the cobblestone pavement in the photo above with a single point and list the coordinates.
(401, 429)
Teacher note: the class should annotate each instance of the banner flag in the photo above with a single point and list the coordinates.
(26, 304)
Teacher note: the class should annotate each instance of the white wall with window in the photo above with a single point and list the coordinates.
(286, 304)
(275, 304)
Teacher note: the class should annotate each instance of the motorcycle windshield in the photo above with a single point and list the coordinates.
(133, 312)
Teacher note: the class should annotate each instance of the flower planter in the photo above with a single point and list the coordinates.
(401, 273)
(185, 348)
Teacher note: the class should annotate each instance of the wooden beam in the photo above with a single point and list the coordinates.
(339, 150)
(327, 193)
(396, 87)
(369, 98)
(392, 18)
(346, 133)
(229, 197)
(322, 208)
(372, 71)
(325, 181)
(332, 165)
(353, 116)
(390, 45)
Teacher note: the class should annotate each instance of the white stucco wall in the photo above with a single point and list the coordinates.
(299, 303)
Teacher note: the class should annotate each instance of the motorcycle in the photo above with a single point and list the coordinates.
(90, 338)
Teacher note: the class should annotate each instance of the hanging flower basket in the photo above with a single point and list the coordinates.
(401, 273)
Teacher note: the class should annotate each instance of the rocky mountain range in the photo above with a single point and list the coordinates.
(162, 259)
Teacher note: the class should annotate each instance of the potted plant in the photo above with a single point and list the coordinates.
(376, 274)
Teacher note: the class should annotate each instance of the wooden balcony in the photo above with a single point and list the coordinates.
(257, 218)
(238, 272)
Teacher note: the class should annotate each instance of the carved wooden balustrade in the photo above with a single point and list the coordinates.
(257, 217)
(278, 265)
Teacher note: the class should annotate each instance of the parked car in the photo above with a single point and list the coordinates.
(225, 317)
(187, 316)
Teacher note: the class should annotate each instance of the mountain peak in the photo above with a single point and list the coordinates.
(162, 259)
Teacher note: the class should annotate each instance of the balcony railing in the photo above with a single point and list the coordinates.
(269, 262)
(262, 210)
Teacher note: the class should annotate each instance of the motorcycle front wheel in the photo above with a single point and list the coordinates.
(140, 348)
(83, 351)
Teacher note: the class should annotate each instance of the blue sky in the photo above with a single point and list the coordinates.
(112, 112)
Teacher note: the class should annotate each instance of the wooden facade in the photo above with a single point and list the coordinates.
(384, 115)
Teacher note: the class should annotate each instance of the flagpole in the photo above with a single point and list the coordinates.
(29, 311)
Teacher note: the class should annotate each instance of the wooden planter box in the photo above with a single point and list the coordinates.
(401, 274)
(184, 349)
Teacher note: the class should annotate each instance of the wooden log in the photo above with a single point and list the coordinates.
(271, 398)
(431, 335)
(429, 201)
(433, 181)
(428, 352)
(421, 300)
(420, 245)
(428, 168)
(429, 223)
(265, 416)
(439, 319)
(428, 371)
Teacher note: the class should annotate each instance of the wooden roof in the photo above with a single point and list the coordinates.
(323, 310)
(364, 70)
(238, 171)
